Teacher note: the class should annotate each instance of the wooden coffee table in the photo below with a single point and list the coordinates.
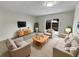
(40, 40)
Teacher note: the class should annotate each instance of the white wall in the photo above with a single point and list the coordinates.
(76, 19)
(41, 20)
(8, 23)
(65, 19)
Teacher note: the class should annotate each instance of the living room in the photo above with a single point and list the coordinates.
(30, 13)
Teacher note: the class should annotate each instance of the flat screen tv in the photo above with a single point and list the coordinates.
(21, 24)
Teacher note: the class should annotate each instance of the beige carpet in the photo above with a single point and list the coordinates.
(45, 51)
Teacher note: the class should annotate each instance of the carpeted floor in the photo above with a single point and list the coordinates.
(45, 51)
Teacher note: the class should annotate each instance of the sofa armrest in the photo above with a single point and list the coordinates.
(21, 51)
(25, 45)
(61, 53)
(62, 35)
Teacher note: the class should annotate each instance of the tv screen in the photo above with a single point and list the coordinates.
(21, 24)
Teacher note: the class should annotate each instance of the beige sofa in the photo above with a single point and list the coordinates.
(23, 32)
(18, 47)
(48, 32)
(61, 53)
(66, 47)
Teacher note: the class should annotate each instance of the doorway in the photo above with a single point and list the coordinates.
(48, 24)
(52, 24)
(55, 24)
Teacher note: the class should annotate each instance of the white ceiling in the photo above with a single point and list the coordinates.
(36, 8)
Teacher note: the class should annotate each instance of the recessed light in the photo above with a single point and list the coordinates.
(49, 3)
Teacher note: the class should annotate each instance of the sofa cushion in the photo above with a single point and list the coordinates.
(68, 45)
(66, 38)
(74, 51)
(74, 43)
(20, 44)
(71, 36)
(23, 32)
(62, 35)
(12, 44)
(18, 40)
(69, 41)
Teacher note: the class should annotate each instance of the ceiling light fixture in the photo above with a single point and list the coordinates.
(49, 3)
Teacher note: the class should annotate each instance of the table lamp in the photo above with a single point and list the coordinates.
(68, 30)
(36, 29)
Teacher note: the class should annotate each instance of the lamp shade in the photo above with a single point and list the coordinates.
(36, 29)
(68, 30)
